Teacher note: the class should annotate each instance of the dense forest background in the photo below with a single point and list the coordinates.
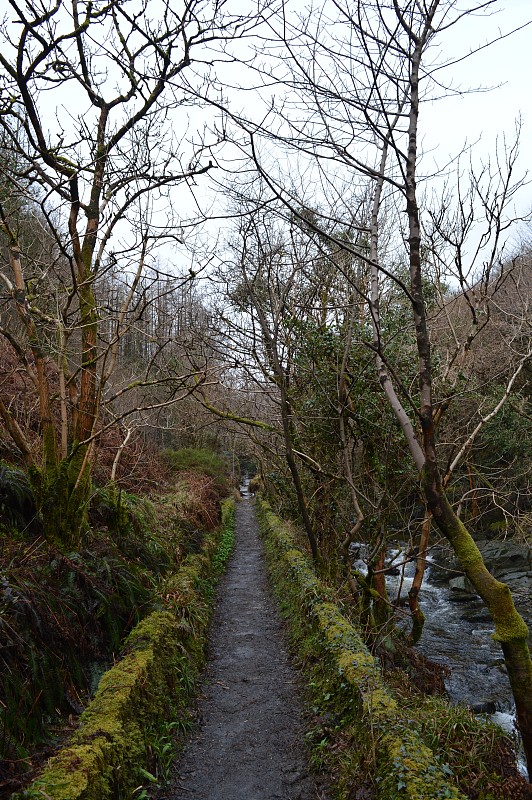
(282, 280)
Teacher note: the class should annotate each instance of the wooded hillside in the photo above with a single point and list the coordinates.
(219, 229)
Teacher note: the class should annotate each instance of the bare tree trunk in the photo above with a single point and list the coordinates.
(510, 629)
(286, 419)
(118, 455)
(384, 378)
(418, 618)
(359, 516)
(292, 466)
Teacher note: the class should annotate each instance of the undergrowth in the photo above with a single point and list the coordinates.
(17, 505)
(126, 738)
(63, 615)
(191, 459)
(478, 754)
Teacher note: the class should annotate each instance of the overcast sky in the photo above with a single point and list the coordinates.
(506, 65)
(447, 125)
(474, 119)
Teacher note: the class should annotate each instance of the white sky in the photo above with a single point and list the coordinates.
(478, 119)
(450, 123)
(473, 118)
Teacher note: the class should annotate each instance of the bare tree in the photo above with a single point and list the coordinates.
(359, 74)
(91, 95)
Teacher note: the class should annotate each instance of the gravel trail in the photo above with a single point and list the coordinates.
(249, 743)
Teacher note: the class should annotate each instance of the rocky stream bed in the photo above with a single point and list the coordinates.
(458, 626)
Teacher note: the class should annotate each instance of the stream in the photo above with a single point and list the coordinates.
(458, 627)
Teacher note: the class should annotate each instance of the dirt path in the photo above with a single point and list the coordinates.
(249, 746)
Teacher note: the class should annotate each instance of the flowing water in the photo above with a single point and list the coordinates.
(457, 634)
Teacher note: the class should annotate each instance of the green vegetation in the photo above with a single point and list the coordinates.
(151, 684)
(373, 333)
(389, 743)
(192, 459)
(64, 615)
(17, 504)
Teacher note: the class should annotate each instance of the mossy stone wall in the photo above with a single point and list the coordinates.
(152, 681)
(404, 766)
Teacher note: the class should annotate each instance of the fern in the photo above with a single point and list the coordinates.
(17, 503)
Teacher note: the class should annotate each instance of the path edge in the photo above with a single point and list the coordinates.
(152, 682)
(405, 766)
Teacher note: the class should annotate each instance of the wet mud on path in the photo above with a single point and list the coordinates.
(250, 740)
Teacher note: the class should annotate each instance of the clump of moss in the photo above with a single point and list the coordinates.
(363, 728)
(152, 682)
(480, 753)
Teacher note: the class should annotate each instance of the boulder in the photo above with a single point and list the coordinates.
(457, 596)
(509, 561)
(461, 584)
(517, 580)
(476, 615)
(484, 707)
(507, 556)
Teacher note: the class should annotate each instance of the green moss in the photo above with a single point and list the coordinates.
(509, 625)
(380, 704)
(73, 774)
(62, 493)
(402, 765)
(152, 682)
(408, 770)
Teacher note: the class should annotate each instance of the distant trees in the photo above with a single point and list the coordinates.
(91, 99)
(296, 333)
(354, 80)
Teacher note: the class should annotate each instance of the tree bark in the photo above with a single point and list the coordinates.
(418, 618)
(510, 629)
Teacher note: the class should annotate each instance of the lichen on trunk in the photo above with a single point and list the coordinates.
(62, 494)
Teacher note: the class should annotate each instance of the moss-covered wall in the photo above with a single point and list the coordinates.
(404, 766)
(152, 681)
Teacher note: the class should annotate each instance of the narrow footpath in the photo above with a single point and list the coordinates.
(250, 742)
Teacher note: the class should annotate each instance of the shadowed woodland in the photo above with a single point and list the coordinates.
(225, 253)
